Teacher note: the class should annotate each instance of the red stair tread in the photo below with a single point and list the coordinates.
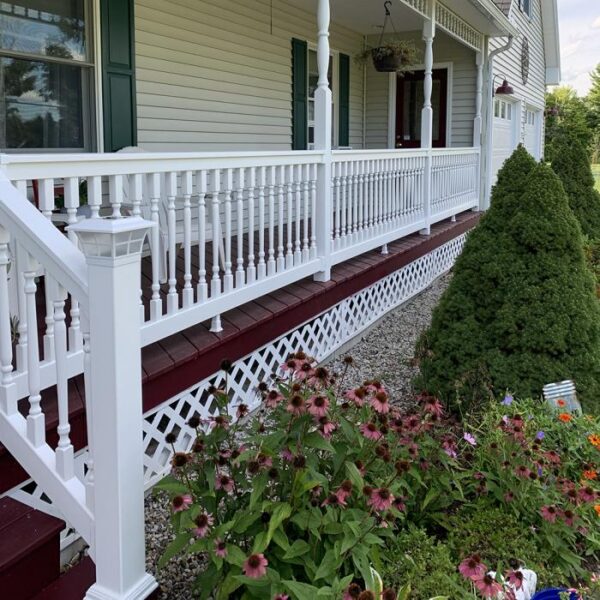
(71, 585)
(29, 550)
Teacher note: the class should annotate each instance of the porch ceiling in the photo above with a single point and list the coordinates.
(366, 16)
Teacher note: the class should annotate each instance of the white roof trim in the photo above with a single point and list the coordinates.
(551, 41)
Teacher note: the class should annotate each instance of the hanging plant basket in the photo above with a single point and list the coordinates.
(390, 56)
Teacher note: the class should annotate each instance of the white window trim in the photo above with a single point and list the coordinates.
(335, 74)
(537, 124)
(392, 93)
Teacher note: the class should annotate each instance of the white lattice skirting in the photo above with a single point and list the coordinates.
(320, 337)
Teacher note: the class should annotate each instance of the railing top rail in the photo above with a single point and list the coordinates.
(352, 155)
(454, 151)
(48, 166)
(36, 234)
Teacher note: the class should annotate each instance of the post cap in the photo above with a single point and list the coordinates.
(111, 237)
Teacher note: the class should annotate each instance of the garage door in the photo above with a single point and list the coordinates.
(531, 133)
(504, 138)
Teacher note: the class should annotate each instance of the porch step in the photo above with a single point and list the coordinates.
(29, 550)
(74, 583)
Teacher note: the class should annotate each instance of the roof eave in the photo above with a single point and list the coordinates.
(502, 25)
(551, 42)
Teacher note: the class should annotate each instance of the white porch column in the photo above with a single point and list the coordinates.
(477, 124)
(114, 398)
(323, 134)
(427, 113)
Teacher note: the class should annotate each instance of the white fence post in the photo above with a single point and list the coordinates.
(323, 129)
(113, 253)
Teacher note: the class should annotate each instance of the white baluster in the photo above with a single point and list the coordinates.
(8, 401)
(136, 192)
(72, 204)
(336, 169)
(289, 255)
(262, 265)
(298, 214)
(215, 282)
(186, 190)
(46, 205)
(344, 215)
(271, 265)
(157, 254)
(240, 276)
(89, 463)
(115, 190)
(36, 423)
(306, 197)
(280, 219)
(313, 211)
(228, 279)
(94, 192)
(64, 451)
(171, 194)
(251, 224)
(202, 289)
(19, 264)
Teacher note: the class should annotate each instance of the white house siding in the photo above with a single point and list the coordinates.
(508, 64)
(215, 75)
(464, 74)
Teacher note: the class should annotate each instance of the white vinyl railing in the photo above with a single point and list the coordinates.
(226, 228)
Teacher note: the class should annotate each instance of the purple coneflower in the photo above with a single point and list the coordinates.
(472, 567)
(203, 522)
(549, 513)
(370, 431)
(255, 566)
(381, 499)
(318, 406)
(220, 548)
(488, 586)
(380, 402)
(224, 482)
(181, 503)
(469, 438)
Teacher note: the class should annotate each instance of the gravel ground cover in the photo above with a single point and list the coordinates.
(384, 353)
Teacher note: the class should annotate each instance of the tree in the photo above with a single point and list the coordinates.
(521, 310)
(572, 164)
(565, 111)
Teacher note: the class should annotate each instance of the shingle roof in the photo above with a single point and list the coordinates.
(503, 5)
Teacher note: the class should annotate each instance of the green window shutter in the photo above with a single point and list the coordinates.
(344, 101)
(118, 74)
(299, 95)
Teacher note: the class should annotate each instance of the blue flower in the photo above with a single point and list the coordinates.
(540, 435)
(508, 400)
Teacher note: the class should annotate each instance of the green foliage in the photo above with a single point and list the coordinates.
(425, 563)
(521, 309)
(572, 164)
(567, 113)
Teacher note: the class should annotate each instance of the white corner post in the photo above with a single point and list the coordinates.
(323, 133)
(427, 114)
(478, 121)
(112, 247)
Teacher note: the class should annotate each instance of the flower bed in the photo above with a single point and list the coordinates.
(316, 495)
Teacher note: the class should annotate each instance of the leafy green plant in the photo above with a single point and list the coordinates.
(521, 310)
(426, 563)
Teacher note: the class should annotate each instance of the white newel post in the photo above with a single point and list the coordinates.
(427, 114)
(323, 133)
(112, 248)
(477, 124)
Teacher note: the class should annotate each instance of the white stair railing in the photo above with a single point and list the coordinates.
(102, 292)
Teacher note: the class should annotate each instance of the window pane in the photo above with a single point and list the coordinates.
(313, 73)
(42, 104)
(44, 27)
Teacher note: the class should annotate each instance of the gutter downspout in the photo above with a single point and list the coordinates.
(486, 174)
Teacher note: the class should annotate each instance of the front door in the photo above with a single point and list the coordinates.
(409, 103)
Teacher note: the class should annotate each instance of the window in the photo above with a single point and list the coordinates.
(503, 110)
(46, 75)
(313, 79)
(526, 7)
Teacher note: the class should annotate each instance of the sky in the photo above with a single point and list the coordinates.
(579, 22)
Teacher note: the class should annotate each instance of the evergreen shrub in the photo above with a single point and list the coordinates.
(521, 310)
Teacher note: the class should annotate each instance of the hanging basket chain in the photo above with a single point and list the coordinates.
(388, 17)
